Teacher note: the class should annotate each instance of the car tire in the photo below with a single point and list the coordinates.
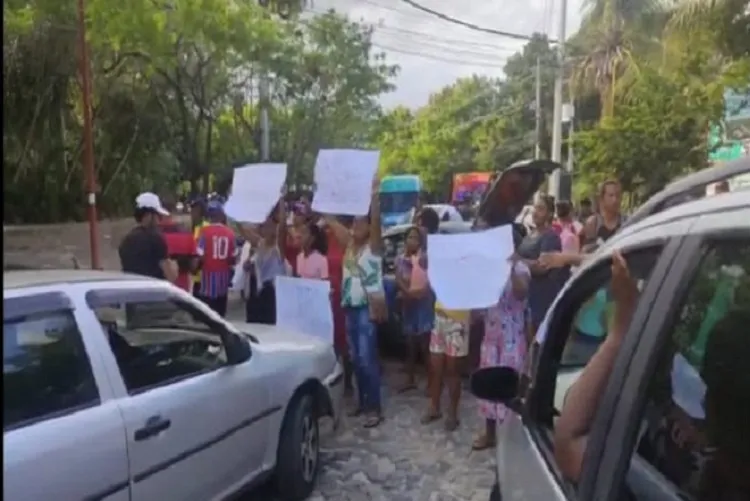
(298, 458)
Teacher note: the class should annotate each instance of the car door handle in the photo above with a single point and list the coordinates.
(154, 425)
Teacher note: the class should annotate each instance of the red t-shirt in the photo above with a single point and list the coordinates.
(335, 257)
(218, 250)
(180, 247)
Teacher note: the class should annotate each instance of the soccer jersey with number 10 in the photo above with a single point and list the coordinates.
(217, 249)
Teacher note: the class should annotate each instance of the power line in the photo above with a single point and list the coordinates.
(465, 24)
(434, 42)
(434, 57)
(453, 41)
(445, 49)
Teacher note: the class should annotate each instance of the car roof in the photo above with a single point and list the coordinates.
(450, 226)
(32, 278)
(718, 203)
(686, 185)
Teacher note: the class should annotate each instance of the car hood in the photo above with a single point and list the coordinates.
(512, 189)
(274, 338)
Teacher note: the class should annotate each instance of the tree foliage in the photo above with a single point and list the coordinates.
(175, 95)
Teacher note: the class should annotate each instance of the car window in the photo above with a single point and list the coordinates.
(586, 319)
(46, 370)
(695, 429)
(160, 342)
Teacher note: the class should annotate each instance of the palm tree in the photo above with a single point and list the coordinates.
(611, 32)
(728, 20)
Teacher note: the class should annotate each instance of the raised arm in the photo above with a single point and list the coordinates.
(376, 237)
(281, 230)
(340, 232)
(249, 233)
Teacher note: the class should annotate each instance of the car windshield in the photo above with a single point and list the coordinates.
(398, 202)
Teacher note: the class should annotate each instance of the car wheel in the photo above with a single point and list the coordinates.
(299, 451)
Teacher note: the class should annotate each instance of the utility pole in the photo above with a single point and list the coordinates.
(265, 126)
(264, 99)
(88, 137)
(538, 111)
(554, 185)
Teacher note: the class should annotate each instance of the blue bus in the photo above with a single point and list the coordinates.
(398, 196)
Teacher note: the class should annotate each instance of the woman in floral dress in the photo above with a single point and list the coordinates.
(504, 344)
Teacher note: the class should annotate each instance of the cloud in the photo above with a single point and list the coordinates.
(433, 53)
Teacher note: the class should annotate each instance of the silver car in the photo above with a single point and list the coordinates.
(653, 437)
(120, 387)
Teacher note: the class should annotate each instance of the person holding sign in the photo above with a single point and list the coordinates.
(363, 299)
(504, 342)
(264, 265)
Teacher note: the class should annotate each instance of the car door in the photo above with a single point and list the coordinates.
(63, 435)
(197, 427)
(681, 422)
(526, 465)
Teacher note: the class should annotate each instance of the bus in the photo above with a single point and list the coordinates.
(398, 196)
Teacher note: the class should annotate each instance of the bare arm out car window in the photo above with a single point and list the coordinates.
(159, 342)
(46, 371)
(588, 321)
(696, 427)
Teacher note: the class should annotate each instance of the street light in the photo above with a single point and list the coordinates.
(88, 138)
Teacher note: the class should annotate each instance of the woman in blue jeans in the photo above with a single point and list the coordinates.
(362, 287)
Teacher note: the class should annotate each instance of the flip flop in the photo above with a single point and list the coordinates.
(431, 417)
(451, 424)
(482, 443)
(373, 421)
(407, 387)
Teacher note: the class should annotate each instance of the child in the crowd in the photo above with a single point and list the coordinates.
(417, 301)
(311, 261)
(449, 346)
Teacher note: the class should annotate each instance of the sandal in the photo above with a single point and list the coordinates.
(483, 442)
(431, 417)
(407, 387)
(373, 421)
(451, 423)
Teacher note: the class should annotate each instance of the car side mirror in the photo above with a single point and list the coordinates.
(495, 384)
(237, 348)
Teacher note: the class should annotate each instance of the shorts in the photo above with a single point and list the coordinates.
(419, 318)
(449, 337)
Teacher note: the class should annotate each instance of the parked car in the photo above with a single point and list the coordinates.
(122, 387)
(502, 204)
(650, 439)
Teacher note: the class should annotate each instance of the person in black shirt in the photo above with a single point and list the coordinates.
(143, 251)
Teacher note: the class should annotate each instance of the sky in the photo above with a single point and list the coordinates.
(433, 53)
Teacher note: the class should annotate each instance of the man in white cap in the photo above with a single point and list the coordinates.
(144, 250)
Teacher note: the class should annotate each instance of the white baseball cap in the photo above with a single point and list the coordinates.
(151, 201)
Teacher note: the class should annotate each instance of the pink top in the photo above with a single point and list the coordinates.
(313, 266)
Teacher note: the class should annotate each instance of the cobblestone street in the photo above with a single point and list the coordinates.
(402, 460)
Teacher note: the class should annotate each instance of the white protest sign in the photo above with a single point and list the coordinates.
(255, 190)
(304, 305)
(343, 181)
(469, 270)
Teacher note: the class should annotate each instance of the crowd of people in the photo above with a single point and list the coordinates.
(211, 257)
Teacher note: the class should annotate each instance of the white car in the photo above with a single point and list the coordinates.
(121, 387)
